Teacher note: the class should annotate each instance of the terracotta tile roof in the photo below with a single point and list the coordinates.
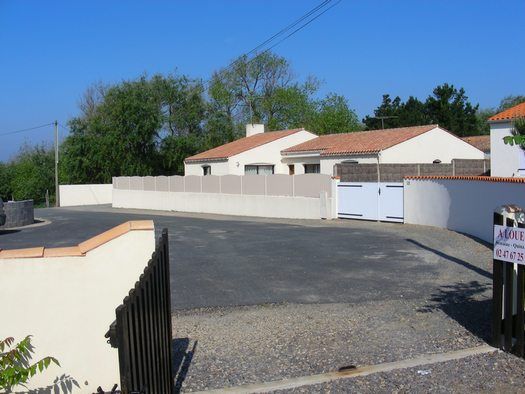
(518, 111)
(241, 145)
(469, 178)
(360, 141)
(80, 249)
(482, 142)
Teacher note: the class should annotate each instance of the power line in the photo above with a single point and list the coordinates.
(28, 129)
(284, 30)
(312, 11)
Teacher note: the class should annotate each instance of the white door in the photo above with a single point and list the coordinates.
(370, 201)
(358, 200)
(391, 202)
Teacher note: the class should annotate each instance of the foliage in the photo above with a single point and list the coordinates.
(518, 134)
(29, 174)
(484, 114)
(332, 115)
(15, 366)
(447, 106)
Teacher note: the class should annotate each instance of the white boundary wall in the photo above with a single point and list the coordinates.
(463, 205)
(71, 195)
(68, 303)
(307, 196)
(228, 204)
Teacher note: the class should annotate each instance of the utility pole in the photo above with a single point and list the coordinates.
(57, 191)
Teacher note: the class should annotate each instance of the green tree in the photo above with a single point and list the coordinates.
(333, 115)
(6, 192)
(510, 101)
(31, 173)
(449, 107)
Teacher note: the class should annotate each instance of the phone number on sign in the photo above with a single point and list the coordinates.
(507, 254)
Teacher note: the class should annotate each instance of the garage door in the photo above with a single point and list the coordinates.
(370, 201)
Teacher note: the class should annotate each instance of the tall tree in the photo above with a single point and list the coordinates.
(450, 108)
(333, 115)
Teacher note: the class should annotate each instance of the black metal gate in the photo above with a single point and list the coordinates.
(142, 330)
(508, 329)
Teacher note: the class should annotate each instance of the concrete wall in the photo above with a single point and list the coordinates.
(397, 172)
(463, 205)
(18, 213)
(506, 160)
(269, 153)
(429, 146)
(307, 196)
(71, 195)
(67, 303)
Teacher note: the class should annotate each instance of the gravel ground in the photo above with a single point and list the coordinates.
(488, 373)
(233, 346)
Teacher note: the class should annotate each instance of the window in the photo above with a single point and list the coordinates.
(312, 168)
(258, 169)
(206, 170)
(291, 169)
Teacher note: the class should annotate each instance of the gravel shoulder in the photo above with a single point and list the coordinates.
(233, 346)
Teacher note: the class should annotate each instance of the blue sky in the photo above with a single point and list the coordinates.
(50, 51)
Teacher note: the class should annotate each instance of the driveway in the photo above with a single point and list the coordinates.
(256, 300)
(229, 261)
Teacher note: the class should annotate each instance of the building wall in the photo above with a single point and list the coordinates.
(71, 195)
(217, 168)
(67, 304)
(429, 146)
(269, 153)
(326, 163)
(462, 205)
(505, 160)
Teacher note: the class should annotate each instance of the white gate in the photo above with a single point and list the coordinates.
(370, 201)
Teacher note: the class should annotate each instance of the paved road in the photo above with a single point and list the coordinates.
(223, 261)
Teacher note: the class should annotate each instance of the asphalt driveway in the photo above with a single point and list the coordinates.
(229, 261)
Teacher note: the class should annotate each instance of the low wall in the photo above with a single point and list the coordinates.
(463, 204)
(228, 204)
(66, 299)
(18, 213)
(71, 195)
(308, 196)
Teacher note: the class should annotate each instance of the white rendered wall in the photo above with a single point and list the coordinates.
(227, 204)
(268, 153)
(465, 206)
(505, 160)
(429, 146)
(68, 303)
(217, 168)
(71, 195)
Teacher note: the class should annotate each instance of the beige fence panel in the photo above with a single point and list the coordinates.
(192, 184)
(211, 184)
(162, 184)
(176, 183)
(231, 184)
(311, 185)
(254, 185)
(279, 185)
(136, 183)
(122, 182)
(149, 183)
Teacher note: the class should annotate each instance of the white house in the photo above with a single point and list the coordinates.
(482, 142)
(257, 153)
(418, 144)
(506, 160)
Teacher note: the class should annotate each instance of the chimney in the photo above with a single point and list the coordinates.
(252, 129)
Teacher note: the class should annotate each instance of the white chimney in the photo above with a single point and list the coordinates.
(252, 129)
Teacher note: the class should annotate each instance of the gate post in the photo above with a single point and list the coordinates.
(508, 277)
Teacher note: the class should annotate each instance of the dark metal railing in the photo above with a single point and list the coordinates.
(508, 329)
(142, 330)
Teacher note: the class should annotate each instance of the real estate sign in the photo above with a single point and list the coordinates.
(509, 244)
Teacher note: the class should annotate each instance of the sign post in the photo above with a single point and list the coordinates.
(508, 278)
